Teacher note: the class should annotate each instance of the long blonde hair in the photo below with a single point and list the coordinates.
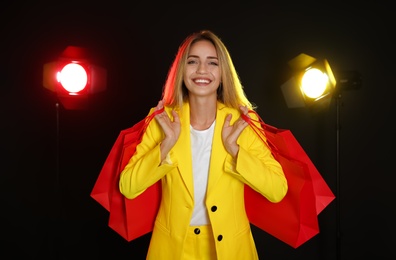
(230, 91)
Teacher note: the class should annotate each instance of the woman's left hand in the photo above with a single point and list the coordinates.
(231, 133)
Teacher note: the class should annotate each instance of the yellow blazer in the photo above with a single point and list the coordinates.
(254, 166)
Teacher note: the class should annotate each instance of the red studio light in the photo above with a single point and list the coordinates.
(73, 77)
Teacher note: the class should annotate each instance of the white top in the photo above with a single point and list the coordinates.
(201, 146)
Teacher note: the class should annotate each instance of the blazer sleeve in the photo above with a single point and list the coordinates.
(145, 167)
(255, 166)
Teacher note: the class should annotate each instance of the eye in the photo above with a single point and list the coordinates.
(191, 62)
(213, 61)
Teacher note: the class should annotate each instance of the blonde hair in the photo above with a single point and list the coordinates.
(230, 91)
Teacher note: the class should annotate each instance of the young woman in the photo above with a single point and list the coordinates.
(203, 152)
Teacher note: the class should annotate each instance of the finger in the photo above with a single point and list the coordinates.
(160, 105)
(242, 123)
(244, 109)
(175, 116)
(227, 120)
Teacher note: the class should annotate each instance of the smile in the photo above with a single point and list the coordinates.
(202, 81)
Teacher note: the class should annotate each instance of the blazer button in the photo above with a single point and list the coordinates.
(220, 237)
(213, 208)
(197, 231)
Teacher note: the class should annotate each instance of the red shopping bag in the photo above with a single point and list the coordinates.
(131, 218)
(294, 219)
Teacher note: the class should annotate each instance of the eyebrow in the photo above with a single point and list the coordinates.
(209, 57)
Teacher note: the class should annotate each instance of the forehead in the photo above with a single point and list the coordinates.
(203, 47)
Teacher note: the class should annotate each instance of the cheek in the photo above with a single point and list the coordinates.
(216, 72)
(185, 76)
(188, 71)
(186, 79)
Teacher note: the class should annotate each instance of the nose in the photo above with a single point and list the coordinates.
(201, 69)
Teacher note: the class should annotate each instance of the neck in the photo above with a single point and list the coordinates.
(202, 114)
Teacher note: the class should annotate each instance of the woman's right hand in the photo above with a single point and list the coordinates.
(171, 129)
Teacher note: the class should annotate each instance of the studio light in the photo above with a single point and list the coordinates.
(73, 77)
(314, 85)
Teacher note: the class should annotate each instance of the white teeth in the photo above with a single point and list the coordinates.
(201, 81)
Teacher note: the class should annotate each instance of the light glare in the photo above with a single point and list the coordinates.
(73, 77)
(314, 83)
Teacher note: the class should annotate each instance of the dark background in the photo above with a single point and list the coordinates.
(46, 208)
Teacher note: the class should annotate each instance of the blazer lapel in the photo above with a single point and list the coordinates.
(185, 155)
(218, 155)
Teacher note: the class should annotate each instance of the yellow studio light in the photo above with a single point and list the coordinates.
(313, 85)
(312, 81)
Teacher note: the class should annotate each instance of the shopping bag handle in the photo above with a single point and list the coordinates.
(156, 112)
(149, 118)
(260, 131)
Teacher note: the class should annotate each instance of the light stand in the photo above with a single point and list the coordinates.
(347, 80)
(58, 192)
(338, 193)
(57, 147)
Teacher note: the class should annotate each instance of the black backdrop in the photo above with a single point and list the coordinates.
(47, 212)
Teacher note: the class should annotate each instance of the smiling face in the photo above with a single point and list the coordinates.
(202, 72)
